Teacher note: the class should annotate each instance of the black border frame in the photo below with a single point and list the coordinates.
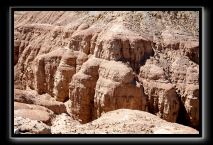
(105, 9)
(83, 8)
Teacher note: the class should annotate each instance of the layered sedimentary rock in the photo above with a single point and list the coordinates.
(45, 68)
(102, 86)
(191, 104)
(163, 100)
(63, 75)
(119, 43)
(32, 97)
(83, 39)
(88, 63)
(82, 90)
(117, 88)
(185, 74)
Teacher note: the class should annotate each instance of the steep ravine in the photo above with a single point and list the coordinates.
(81, 65)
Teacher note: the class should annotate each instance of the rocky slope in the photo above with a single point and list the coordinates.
(71, 68)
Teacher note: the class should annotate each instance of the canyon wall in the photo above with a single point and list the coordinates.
(88, 63)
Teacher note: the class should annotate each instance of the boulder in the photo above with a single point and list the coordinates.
(28, 126)
(33, 112)
(32, 97)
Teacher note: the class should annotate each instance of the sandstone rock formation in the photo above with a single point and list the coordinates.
(125, 121)
(116, 88)
(28, 126)
(64, 124)
(33, 112)
(122, 121)
(72, 68)
(82, 90)
(32, 97)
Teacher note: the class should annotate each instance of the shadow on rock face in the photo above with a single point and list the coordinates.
(183, 116)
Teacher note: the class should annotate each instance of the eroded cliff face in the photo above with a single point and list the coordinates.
(91, 63)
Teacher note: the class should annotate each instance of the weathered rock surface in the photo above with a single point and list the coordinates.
(45, 68)
(126, 121)
(64, 124)
(102, 86)
(68, 105)
(163, 100)
(33, 112)
(28, 126)
(87, 63)
(117, 88)
(32, 97)
(172, 68)
(63, 75)
(191, 103)
(82, 90)
(118, 43)
(185, 74)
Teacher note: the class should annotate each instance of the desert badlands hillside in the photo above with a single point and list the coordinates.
(104, 72)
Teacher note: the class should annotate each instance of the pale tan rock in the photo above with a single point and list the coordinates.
(116, 71)
(179, 69)
(100, 53)
(187, 44)
(31, 97)
(18, 106)
(33, 114)
(28, 126)
(81, 40)
(81, 58)
(152, 72)
(68, 106)
(83, 26)
(127, 121)
(118, 45)
(50, 103)
(24, 96)
(63, 124)
(192, 75)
